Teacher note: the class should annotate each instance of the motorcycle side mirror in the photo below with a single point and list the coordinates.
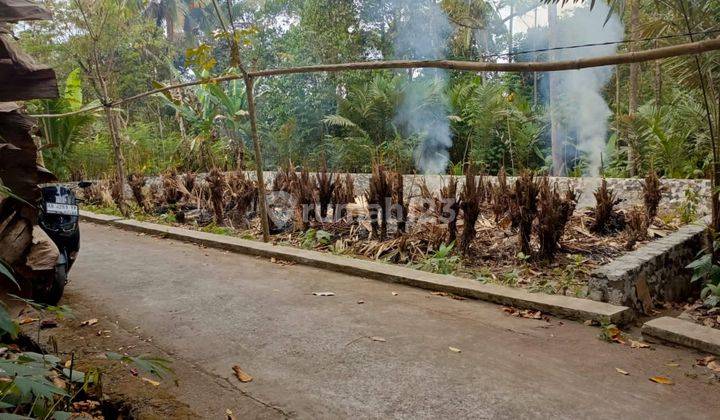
(84, 184)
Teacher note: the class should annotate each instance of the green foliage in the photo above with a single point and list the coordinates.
(150, 364)
(313, 238)
(689, 206)
(442, 261)
(61, 135)
(709, 273)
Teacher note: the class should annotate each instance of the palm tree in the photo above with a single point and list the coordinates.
(173, 14)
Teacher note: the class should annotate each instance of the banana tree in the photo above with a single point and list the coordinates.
(61, 135)
(214, 113)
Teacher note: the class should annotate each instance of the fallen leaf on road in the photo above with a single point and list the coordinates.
(150, 381)
(27, 320)
(380, 339)
(323, 294)
(395, 293)
(360, 302)
(89, 322)
(525, 313)
(714, 365)
(241, 375)
(455, 350)
(639, 345)
(623, 372)
(662, 380)
(705, 361)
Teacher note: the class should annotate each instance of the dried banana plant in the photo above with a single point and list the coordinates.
(343, 194)
(525, 208)
(170, 185)
(242, 195)
(399, 208)
(217, 184)
(137, 182)
(500, 196)
(652, 194)
(116, 192)
(450, 207)
(378, 192)
(554, 213)
(470, 200)
(284, 178)
(304, 190)
(636, 226)
(326, 187)
(605, 216)
(190, 179)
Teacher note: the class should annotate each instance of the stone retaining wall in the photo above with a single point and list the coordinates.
(653, 273)
(628, 190)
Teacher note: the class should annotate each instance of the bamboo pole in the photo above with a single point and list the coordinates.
(249, 87)
(691, 48)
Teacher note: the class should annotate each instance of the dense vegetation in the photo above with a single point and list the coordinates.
(106, 49)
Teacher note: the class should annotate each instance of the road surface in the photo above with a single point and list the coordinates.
(313, 357)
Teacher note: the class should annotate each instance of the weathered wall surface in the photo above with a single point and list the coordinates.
(653, 273)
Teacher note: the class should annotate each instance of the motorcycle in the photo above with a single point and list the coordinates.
(58, 217)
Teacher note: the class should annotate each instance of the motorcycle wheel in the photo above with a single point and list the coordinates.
(52, 293)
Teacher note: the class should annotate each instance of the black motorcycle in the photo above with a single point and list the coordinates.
(59, 217)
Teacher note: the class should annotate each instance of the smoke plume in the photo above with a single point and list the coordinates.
(581, 105)
(423, 34)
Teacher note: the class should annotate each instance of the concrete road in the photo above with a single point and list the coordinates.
(312, 357)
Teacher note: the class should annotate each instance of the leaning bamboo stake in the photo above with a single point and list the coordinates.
(526, 67)
(249, 86)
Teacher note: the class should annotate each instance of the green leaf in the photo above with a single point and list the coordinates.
(7, 324)
(61, 415)
(30, 356)
(152, 365)
(73, 90)
(77, 376)
(38, 386)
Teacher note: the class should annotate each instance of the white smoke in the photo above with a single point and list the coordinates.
(581, 103)
(423, 34)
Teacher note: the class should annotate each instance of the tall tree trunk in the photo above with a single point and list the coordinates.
(112, 122)
(535, 75)
(556, 141)
(634, 82)
(657, 70)
(170, 25)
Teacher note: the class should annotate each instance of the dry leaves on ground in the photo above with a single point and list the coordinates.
(455, 350)
(639, 344)
(621, 371)
(662, 380)
(241, 375)
(379, 339)
(150, 381)
(89, 322)
(525, 313)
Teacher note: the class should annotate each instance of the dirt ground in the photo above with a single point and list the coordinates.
(131, 391)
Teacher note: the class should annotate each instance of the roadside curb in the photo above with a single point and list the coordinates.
(561, 306)
(101, 219)
(684, 333)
